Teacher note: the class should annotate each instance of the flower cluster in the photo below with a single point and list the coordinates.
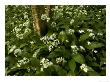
(84, 67)
(51, 41)
(45, 63)
(60, 59)
(81, 31)
(88, 43)
(72, 21)
(100, 34)
(70, 31)
(74, 49)
(91, 33)
(22, 62)
(17, 30)
(44, 17)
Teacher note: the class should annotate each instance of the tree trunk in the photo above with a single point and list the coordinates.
(39, 25)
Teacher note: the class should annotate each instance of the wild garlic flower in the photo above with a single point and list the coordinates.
(100, 34)
(74, 49)
(92, 35)
(60, 59)
(43, 17)
(72, 21)
(71, 31)
(81, 31)
(22, 62)
(89, 30)
(88, 43)
(45, 63)
(95, 51)
(84, 67)
(51, 41)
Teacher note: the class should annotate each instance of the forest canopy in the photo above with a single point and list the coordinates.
(59, 40)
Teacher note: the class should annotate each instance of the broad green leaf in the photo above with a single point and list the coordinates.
(72, 65)
(79, 58)
(84, 37)
(94, 45)
(60, 70)
(62, 36)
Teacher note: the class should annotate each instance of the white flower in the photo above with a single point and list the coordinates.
(73, 47)
(91, 34)
(95, 51)
(99, 34)
(81, 31)
(60, 59)
(45, 63)
(89, 30)
(32, 42)
(88, 43)
(70, 31)
(84, 67)
(72, 21)
(67, 41)
(43, 16)
(82, 48)
(22, 62)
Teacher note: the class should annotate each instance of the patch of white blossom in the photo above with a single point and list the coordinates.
(22, 62)
(72, 21)
(17, 30)
(60, 59)
(100, 34)
(84, 67)
(89, 30)
(51, 41)
(45, 17)
(88, 42)
(53, 24)
(81, 31)
(70, 31)
(91, 34)
(45, 63)
(74, 49)
(95, 51)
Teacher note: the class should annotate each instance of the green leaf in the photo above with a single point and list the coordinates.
(94, 45)
(79, 58)
(62, 36)
(72, 65)
(60, 70)
(34, 62)
(84, 37)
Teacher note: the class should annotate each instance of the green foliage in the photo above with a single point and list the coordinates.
(75, 44)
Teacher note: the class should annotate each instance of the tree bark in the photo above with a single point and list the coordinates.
(39, 25)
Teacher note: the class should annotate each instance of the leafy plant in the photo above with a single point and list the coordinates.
(75, 44)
